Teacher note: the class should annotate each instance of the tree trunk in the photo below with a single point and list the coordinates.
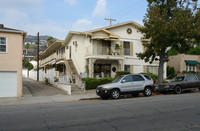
(161, 67)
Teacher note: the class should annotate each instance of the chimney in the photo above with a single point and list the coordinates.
(1, 26)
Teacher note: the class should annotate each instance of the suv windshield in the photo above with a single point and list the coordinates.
(117, 79)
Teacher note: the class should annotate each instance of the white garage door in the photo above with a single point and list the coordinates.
(8, 84)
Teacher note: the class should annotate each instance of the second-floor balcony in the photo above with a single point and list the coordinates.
(106, 47)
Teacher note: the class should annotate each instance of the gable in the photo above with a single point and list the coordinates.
(104, 34)
(123, 32)
(100, 34)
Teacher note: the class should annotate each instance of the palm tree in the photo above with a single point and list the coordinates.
(50, 40)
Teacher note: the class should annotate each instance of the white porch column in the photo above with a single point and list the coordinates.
(121, 65)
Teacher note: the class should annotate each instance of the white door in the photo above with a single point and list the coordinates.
(8, 84)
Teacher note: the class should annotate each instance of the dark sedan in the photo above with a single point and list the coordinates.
(182, 83)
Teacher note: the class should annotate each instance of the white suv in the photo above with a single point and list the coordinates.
(127, 84)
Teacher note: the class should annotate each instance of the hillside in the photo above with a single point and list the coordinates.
(31, 38)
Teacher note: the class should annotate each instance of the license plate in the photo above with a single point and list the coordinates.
(166, 89)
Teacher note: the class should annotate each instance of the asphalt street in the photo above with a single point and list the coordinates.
(170, 113)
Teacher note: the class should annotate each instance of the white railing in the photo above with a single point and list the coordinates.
(64, 79)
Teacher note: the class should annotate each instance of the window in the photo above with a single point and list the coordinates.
(3, 45)
(138, 78)
(179, 78)
(147, 77)
(191, 67)
(128, 78)
(191, 78)
(127, 68)
(126, 48)
(24, 51)
(152, 69)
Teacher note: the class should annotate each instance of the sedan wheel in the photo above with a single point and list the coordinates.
(177, 90)
(147, 91)
(115, 94)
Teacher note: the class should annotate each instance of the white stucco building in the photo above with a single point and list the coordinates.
(99, 53)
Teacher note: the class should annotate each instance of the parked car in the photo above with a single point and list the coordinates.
(182, 83)
(127, 84)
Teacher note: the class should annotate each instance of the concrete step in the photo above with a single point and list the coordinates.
(76, 90)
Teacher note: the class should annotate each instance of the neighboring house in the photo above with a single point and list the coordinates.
(11, 41)
(99, 53)
(185, 62)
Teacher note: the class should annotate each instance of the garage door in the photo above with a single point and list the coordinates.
(8, 84)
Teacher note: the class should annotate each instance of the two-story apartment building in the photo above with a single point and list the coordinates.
(11, 41)
(100, 52)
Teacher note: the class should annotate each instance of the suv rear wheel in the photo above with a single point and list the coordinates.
(115, 94)
(147, 91)
(177, 90)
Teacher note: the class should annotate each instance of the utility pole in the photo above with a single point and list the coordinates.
(110, 20)
(38, 49)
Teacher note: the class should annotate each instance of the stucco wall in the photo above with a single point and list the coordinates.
(175, 61)
(178, 61)
(78, 52)
(12, 60)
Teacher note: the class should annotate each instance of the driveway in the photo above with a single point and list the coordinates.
(33, 88)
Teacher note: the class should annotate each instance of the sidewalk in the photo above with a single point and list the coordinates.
(47, 99)
(37, 93)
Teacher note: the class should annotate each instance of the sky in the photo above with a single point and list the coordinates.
(57, 17)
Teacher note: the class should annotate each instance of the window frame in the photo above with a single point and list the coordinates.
(125, 48)
(5, 45)
(142, 78)
(127, 67)
(190, 68)
(127, 77)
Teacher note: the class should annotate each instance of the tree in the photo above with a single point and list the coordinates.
(27, 46)
(50, 40)
(194, 51)
(27, 64)
(171, 72)
(168, 24)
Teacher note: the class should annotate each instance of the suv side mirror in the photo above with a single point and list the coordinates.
(123, 81)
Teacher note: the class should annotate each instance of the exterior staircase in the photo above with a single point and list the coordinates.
(73, 76)
(73, 69)
(76, 90)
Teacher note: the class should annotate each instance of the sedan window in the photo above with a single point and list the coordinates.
(179, 78)
(191, 78)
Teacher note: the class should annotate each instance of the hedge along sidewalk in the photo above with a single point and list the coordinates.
(92, 83)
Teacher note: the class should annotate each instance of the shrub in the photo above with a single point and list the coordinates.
(171, 73)
(119, 73)
(190, 72)
(153, 76)
(92, 83)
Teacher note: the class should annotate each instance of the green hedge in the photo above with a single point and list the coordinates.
(119, 73)
(92, 83)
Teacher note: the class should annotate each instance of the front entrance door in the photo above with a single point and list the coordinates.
(102, 70)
